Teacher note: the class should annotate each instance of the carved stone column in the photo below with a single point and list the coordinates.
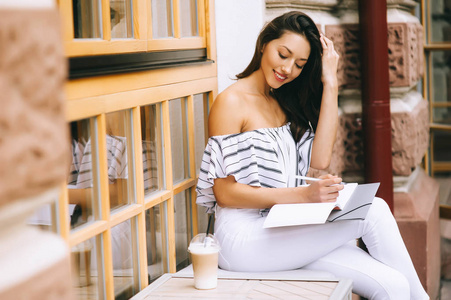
(416, 195)
(319, 10)
(33, 149)
(405, 55)
(345, 36)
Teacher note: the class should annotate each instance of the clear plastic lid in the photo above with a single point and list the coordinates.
(204, 243)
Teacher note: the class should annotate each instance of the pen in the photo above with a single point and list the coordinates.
(308, 178)
(312, 178)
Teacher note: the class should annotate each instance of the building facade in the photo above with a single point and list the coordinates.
(135, 79)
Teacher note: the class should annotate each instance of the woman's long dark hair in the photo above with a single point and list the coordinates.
(300, 99)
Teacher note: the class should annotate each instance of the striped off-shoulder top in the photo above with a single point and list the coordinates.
(266, 157)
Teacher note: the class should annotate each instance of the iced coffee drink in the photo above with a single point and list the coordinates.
(204, 255)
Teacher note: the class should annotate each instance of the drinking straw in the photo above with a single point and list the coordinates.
(209, 223)
(208, 229)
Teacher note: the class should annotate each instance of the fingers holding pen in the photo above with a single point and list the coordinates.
(325, 190)
(327, 176)
(331, 185)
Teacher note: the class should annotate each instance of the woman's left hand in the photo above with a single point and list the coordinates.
(330, 61)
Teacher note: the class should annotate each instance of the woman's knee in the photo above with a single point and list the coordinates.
(379, 208)
(380, 204)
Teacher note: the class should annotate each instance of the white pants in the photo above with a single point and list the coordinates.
(386, 272)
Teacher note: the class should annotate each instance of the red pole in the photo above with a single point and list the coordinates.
(376, 96)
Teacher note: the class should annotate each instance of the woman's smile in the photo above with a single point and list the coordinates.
(279, 77)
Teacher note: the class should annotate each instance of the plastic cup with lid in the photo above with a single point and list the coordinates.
(204, 251)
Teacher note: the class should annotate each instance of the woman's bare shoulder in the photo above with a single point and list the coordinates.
(228, 112)
(231, 96)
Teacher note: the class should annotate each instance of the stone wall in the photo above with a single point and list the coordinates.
(33, 130)
(33, 149)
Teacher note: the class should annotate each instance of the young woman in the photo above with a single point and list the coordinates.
(276, 121)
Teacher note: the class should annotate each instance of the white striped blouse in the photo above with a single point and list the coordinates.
(266, 157)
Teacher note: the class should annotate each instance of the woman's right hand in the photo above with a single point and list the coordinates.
(330, 62)
(325, 190)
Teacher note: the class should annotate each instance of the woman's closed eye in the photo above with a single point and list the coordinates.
(284, 57)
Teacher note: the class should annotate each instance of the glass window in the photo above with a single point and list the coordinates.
(200, 133)
(118, 147)
(82, 173)
(156, 237)
(188, 18)
(440, 20)
(45, 217)
(183, 230)
(442, 144)
(441, 86)
(179, 139)
(162, 21)
(152, 148)
(121, 19)
(87, 19)
(87, 269)
(125, 259)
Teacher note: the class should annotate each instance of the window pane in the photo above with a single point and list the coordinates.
(118, 146)
(188, 18)
(442, 144)
(152, 148)
(87, 19)
(200, 134)
(87, 269)
(440, 20)
(183, 230)
(80, 182)
(162, 24)
(121, 19)
(200, 118)
(441, 86)
(179, 139)
(156, 234)
(125, 259)
(45, 218)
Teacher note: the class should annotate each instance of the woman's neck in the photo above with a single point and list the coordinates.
(259, 83)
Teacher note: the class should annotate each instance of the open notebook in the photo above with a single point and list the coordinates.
(352, 203)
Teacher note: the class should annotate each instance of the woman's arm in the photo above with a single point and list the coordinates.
(229, 193)
(228, 116)
(326, 130)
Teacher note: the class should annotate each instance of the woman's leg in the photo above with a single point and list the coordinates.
(370, 278)
(247, 246)
(384, 242)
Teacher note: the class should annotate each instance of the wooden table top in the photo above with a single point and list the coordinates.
(169, 287)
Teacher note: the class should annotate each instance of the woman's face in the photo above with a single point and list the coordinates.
(284, 58)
